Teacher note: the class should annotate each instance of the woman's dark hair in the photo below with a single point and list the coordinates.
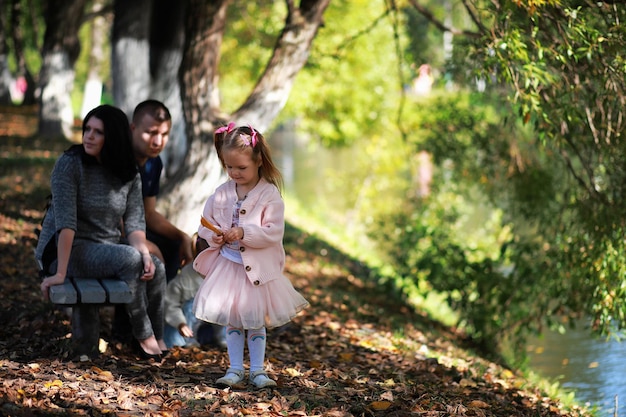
(117, 152)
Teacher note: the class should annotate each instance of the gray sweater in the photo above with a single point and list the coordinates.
(91, 201)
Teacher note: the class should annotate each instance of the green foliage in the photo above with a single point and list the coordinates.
(349, 90)
(565, 62)
(251, 31)
(32, 29)
(425, 42)
(475, 236)
(83, 67)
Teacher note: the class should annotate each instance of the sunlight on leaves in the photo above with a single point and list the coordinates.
(55, 383)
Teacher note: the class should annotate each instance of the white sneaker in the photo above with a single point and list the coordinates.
(260, 380)
(232, 377)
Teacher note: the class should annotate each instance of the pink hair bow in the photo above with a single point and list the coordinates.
(253, 137)
(226, 129)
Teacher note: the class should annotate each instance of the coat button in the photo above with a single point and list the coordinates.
(248, 268)
(257, 282)
(242, 249)
(242, 211)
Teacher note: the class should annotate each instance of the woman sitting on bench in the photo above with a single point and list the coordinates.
(95, 188)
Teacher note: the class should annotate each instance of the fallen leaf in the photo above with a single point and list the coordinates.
(380, 405)
(478, 404)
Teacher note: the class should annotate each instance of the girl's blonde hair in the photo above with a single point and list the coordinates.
(248, 139)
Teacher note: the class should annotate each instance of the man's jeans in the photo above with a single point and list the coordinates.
(204, 333)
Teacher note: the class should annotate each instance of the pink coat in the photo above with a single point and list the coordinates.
(262, 217)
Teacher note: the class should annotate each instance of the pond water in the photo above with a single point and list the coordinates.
(594, 368)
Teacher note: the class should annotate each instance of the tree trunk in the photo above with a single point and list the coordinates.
(60, 51)
(290, 54)
(167, 38)
(18, 48)
(201, 171)
(92, 96)
(5, 74)
(130, 61)
(30, 96)
(152, 33)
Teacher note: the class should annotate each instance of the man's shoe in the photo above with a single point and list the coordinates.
(260, 380)
(232, 377)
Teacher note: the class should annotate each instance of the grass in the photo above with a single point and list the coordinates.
(362, 248)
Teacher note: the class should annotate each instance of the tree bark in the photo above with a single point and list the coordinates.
(130, 53)
(167, 38)
(152, 33)
(60, 51)
(201, 172)
(5, 74)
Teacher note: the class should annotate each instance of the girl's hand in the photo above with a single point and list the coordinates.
(148, 267)
(218, 239)
(236, 233)
(55, 279)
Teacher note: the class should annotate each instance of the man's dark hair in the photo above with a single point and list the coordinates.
(154, 108)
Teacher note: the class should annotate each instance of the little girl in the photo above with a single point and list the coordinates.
(243, 222)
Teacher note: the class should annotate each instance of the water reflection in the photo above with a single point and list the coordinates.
(593, 368)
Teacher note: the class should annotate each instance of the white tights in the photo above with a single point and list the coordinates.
(235, 340)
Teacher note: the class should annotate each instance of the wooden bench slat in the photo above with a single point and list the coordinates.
(117, 291)
(64, 293)
(90, 290)
(85, 296)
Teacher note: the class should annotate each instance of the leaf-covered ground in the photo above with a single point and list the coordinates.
(357, 351)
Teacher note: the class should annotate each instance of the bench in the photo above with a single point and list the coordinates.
(85, 296)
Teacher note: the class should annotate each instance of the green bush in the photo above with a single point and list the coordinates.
(476, 237)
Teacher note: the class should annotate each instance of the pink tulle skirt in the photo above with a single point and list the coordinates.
(228, 298)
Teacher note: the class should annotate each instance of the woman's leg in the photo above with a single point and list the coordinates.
(97, 260)
(155, 293)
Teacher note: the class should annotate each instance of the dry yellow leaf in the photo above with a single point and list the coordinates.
(293, 372)
(507, 374)
(105, 376)
(380, 405)
(55, 383)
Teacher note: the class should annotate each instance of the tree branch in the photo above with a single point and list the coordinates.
(392, 9)
(474, 17)
(440, 25)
